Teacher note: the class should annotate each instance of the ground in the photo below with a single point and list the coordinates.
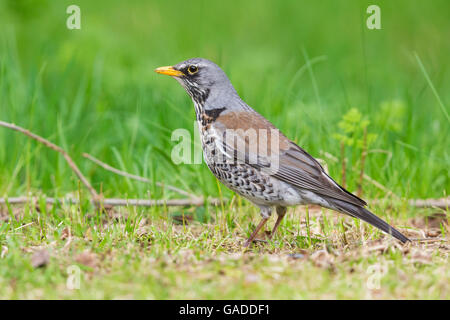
(156, 254)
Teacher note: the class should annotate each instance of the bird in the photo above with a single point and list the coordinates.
(253, 158)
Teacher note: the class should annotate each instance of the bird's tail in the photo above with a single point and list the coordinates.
(367, 216)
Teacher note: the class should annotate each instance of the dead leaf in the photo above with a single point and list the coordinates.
(87, 258)
(65, 233)
(433, 233)
(40, 258)
(182, 219)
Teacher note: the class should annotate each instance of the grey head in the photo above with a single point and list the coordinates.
(206, 83)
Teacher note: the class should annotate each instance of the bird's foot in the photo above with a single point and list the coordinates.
(247, 243)
(267, 236)
(260, 240)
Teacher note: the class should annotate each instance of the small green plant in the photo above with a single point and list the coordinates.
(391, 116)
(354, 135)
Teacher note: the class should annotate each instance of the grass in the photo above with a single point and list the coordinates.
(147, 254)
(302, 65)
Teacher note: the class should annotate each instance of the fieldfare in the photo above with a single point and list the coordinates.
(252, 157)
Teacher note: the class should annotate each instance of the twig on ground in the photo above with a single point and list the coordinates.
(135, 177)
(95, 196)
(427, 239)
(113, 202)
(442, 203)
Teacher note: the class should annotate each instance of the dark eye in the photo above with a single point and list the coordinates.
(192, 69)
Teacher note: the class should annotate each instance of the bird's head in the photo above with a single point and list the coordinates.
(202, 79)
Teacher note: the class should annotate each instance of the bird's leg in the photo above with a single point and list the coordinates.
(281, 212)
(253, 235)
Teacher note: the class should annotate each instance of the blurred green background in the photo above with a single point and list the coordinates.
(94, 90)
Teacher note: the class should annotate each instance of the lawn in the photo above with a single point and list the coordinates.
(303, 65)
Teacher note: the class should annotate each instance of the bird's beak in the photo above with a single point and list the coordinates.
(170, 71)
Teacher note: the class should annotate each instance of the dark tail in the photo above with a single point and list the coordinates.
(367, 216)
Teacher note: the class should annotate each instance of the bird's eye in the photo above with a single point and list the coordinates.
(192, 69)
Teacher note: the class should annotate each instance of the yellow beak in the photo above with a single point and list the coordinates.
(170, 71)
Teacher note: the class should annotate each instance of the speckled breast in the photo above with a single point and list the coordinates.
(240, 177)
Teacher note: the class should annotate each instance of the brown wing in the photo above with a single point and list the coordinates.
(294, 165)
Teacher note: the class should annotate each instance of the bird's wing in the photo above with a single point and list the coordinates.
(283, 159)
(300, 169)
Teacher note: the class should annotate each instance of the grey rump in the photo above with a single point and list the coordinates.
(298, 178)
